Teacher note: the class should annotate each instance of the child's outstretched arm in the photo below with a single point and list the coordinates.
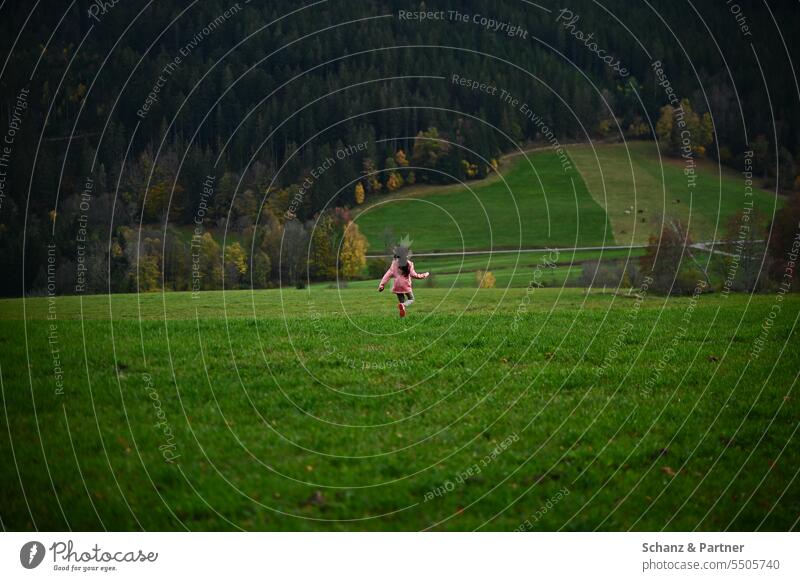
(415, 274)
(385, 279)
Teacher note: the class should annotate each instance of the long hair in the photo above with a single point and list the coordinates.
(402, 252)
(404, 268)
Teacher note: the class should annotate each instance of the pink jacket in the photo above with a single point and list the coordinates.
(402, 283)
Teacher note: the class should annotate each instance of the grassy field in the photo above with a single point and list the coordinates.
(537, 204)
(321, 410)
(505, 277)
(529, 267)
(513, 269)
(621, 176)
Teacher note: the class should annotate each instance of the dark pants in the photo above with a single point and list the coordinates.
(401, 297)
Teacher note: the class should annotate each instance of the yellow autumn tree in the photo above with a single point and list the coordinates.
(210, 266)
(400, 158)
(353, 258)
(394, 182)
(359, 193)
(149, 265)
(235, 265)
(237, 257)
(149, 274)
(682, 127)
(485, 279)
(470, 169)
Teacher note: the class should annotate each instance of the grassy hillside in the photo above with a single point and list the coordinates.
(537, 204)
(538, 207)
(623, 175)
(320, 410)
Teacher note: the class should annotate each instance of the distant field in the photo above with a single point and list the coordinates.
(534, 207)
(623, 175)
(321, 410)
(516, 269)
(504, 277)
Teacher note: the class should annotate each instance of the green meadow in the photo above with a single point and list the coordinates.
(613, 194)
(535, 204)
(550, 267)
(632, 177)
(530, 405)
(320, 409)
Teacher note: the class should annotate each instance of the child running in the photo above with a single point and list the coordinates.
(402, 270)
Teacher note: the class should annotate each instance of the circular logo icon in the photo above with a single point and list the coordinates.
(31, 554)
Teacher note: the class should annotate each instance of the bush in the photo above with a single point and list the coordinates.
(485, 279)
(669, 263)
(596, 273)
